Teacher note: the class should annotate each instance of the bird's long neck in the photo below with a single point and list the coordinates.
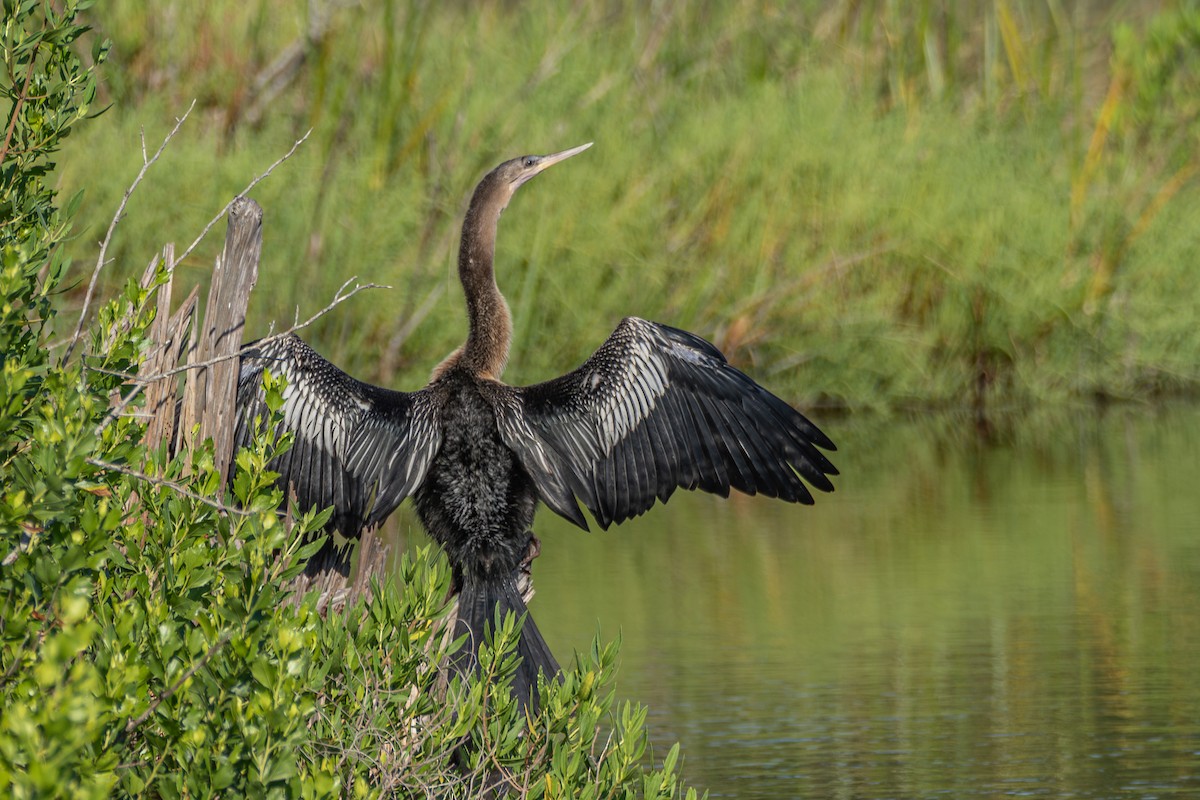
(486, 350)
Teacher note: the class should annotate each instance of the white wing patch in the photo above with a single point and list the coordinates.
(627, 403)
(308, 413)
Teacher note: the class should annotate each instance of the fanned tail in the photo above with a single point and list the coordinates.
(478, 601)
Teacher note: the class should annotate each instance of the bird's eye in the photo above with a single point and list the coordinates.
(529, 161)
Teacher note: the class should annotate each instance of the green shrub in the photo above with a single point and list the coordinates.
(147, 647)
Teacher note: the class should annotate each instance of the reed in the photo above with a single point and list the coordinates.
(870, 205)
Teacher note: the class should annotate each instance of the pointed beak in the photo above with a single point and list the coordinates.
(554, 158)
(535, 165)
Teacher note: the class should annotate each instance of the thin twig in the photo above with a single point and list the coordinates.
(12, 122)
(170, 484)
(112, 226)
(242, 193)
(140, 381)
(192, 670)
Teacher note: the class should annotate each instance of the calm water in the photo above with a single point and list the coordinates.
(1017, 616)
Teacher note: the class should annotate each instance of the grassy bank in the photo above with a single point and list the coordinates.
(982, 205)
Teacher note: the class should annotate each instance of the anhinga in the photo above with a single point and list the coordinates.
(654, 409)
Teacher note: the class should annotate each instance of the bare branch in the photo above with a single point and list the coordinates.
(21, 98)
(338, 299)
(170, 484)
(146, 164)
(141, 381)
(112, 226)
(192, 670)
(243, 193)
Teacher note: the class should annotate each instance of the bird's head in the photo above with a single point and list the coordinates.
(505, 179)
(519, 170)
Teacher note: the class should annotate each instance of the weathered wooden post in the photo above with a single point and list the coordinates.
(169, 332)
(211, 392)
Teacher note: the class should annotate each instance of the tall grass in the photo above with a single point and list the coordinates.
(870, 205)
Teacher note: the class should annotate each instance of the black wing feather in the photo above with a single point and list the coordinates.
(359, 448)
(654, 409)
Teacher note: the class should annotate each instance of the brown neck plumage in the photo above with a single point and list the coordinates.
(486, 350)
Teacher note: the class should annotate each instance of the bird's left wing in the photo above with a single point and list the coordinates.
(359, 448)
(654, 409)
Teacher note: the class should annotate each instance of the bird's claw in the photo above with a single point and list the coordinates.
(534, 550)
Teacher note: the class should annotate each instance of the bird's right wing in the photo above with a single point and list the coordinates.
(359, 448)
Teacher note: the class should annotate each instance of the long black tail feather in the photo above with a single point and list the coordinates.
(478, 602)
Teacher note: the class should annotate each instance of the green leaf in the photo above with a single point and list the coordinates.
(281, 770)
(264, 672)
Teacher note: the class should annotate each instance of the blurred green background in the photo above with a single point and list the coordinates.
(866, 205)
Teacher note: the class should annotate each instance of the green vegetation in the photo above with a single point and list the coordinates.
(147, 647)
(871, 205)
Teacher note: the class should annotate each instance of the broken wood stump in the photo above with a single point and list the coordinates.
(206, 406)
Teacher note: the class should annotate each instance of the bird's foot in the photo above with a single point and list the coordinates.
(525, 571)
(534, 550)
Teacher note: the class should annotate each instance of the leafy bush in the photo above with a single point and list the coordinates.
(147, 645)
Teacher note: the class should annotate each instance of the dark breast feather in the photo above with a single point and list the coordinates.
(656, 408)
(359, 448)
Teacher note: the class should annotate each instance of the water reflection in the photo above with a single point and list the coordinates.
(963, 618)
